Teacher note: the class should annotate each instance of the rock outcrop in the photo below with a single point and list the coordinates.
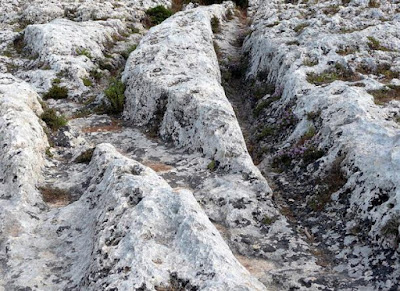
(23, 143)
(173, 86)
(326, 61)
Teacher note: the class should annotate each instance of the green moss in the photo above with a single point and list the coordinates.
(56, 92)
(115, 94)
(158, 14)
(53, 121)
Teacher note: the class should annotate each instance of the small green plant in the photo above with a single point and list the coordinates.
(212, 166)
(266, 131)
(96, 74)
(268, 220)
(56, 81)
(215, 25)
(53, 120)
(115, 94)
(374, 44)
(128, 51)
(48, 152)
(87, 82)
(85, 157)
(84, 52)
(56, 92)
(338, 72)
(158, 14)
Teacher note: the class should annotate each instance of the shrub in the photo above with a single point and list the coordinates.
(56, 92)
(215, 25)
(158, 14)
(54, 121)
(85, 157)
(115, 94)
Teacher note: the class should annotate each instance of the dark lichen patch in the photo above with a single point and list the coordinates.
(85, 157)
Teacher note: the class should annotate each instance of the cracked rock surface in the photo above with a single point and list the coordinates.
(165, 194)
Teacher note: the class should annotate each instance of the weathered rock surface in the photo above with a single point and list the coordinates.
(173, 85)
(358, 46)
(23, 143)
(173, 88)
(71, 49)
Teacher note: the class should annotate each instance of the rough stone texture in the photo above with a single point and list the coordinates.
(173, 85)
(350, 125)
(71, 49)
(21, 159)
(173, 88)
(149, 235)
